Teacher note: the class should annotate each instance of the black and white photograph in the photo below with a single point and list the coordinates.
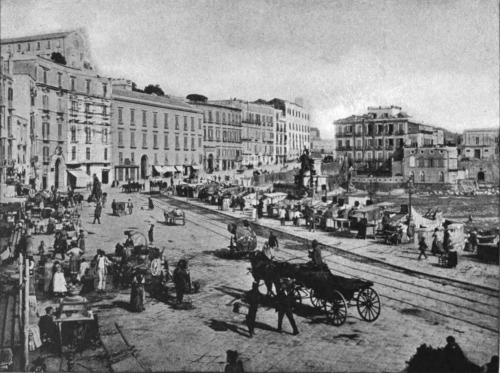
(249, 186)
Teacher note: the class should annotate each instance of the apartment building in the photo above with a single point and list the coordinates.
(154, 135)
(480, 143)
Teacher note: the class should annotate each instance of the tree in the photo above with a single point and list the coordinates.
(135, 89)
(58, 58)
(196, 98)
(154, 89)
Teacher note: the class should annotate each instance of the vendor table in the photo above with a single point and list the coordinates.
(371, 230)
(342, 224)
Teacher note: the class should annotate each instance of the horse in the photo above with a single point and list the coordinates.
(270, 271)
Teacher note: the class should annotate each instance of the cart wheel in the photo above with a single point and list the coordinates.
(336, 309)
(316, 302)
(368, 304)
(298, 295)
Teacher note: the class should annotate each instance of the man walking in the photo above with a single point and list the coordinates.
(102, 264)
(97, 212)
(113, 207)
(80, 242)
(130, 207)
(253, 298)
(273, 241)
(150, 234)
(313, 221)
(284, 304)
(422, 246)
(282, 214)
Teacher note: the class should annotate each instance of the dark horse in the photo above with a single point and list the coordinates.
(270, 271)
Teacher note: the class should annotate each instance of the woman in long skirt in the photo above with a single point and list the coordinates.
(137, 293)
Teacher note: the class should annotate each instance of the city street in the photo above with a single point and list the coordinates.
(415, 310)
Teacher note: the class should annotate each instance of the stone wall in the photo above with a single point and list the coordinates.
(488, 167)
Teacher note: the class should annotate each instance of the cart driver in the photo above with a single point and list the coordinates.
(315, 255)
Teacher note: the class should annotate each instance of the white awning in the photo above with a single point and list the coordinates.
(195, 167)
(179, 168)
(159, 169)
(81, 178)
(169, 169)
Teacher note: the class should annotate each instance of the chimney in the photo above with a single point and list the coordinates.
(123, 84)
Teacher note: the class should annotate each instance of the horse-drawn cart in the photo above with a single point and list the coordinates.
(173, 215)
(243, 240)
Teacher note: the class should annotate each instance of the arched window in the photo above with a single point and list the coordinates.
(441, 176)
(412, 161)
(422, 177)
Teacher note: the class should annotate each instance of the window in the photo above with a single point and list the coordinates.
(73, 153)
(132, 158)
(144, 118)
(176, 122)
(155, 119)
(217, 134)
(441, 176)
(431, 162)
(193, 146)
(165, 139)
(177, 144)
(104, 111)
(217, 118)
(48, 44)
(105, 154)
(120, 157)
(73, 133)
(59, 80)
(46, 152)
(210, 116)
(156, 158)
(28, 46)
(87, 109)
(45, 130)
(144, 139)
(185, 123)
(59, 131)
(72, 83)
(87, 154)
(45, 101)
(155, 140)
(87, 86)
(88, 135)
(120, 115)
(132, 117)
(120, 138)
(132, 139)
(59, 105)
(105, 135)
(74, 107)
(19, 47)
(422, 177)
(186, 143)
(104, 90)
(412, 161)
(199, 126)
(165, 121)
(192, 123)
(200, 142)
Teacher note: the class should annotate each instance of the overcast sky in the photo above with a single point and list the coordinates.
(438, 59)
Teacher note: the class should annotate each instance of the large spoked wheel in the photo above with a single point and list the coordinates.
(298, 295)
(316, 302)
(368, 304)
(336, 309)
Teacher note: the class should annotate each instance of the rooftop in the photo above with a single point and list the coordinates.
(36, 37)
(166, 100)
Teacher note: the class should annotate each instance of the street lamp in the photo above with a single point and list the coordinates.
(410, 189)
(370, 188)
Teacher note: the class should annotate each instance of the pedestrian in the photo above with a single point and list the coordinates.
(315, 255)
(437, 246)
(84, 265)
(233, 364)
(130, 207)
(60, 246)
(151, 204)
(313, 221)
(454, 358)
(422, 246)
(181, 280)
(150, 234)
(137, 293)
(113, 207)
(282, 215)
(102, 271)
(41, 249)
(80, 242)
(446, 240)
(253, 298)
(473, 240)
(260, 209)
(59, 282)
(284, 305)
(254, 212)
(97, 213)
(273, 241)
(48, 329)
(296, 217)
(103, 199)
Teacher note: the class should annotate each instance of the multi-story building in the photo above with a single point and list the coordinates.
(372, 138)
(480, 143)
(221, 135)
(427, 165)
(315, 134)
(154, 135)
(14, 118)
(280, 137)
(257, 130)
(69, 121)
(297, 121)
(72, 45)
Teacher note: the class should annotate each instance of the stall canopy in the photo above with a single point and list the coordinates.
(178, 168)
(169, 169)
(159, 169)
(81, 178)
(195, 167)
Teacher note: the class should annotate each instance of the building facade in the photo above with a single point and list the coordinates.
(154, 135)
(280, 137)
(371, 139)
(297, 127)
(480, 143)
(428, 165)
(221, 136)
(258, 125)
(69, 120)
(15, 150)
(73, 45)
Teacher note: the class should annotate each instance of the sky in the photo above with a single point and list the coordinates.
(437, 59)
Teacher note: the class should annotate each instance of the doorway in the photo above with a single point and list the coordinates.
(480, 176)
(477, 153)
(105, 176)
(210, 162)
(144, 166)
(57, 174)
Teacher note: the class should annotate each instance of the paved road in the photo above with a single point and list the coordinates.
(415, 310)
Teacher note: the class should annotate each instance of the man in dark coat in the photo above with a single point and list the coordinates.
(315, 255)
(113, 207)
(181, 280)
(48, 329)
(273, 241)
(150, 233)
(284, 305)
(97, 212)
(252, 297)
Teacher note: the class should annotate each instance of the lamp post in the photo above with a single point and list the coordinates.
(370, 188)
(410, 189)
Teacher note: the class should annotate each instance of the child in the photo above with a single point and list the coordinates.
(422, 246)
(59, 282)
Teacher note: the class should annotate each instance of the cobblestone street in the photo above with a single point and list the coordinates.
(416, 308)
